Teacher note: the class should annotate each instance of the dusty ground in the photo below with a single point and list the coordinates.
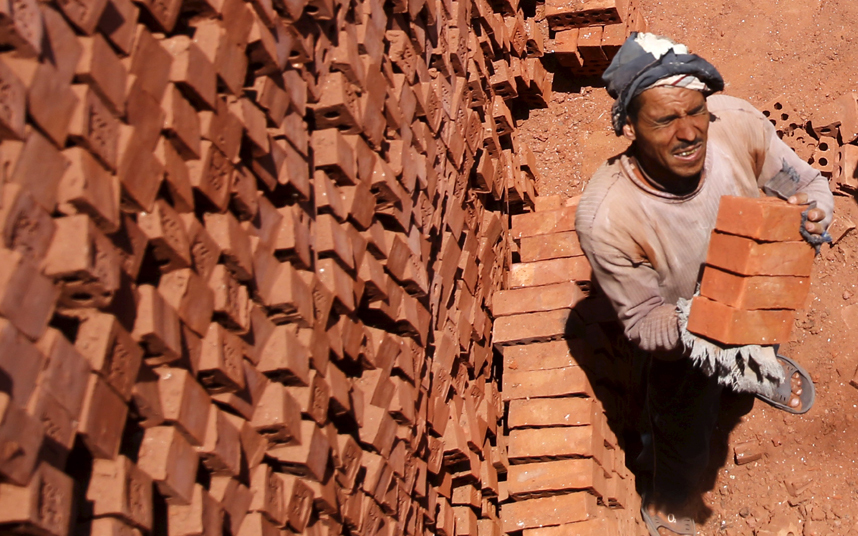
(802, 51)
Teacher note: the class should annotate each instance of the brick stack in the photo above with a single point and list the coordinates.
(567, 472)
(757, 273)
(248, 250)
(588, 33)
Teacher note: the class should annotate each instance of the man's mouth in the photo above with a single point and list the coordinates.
(689, 153)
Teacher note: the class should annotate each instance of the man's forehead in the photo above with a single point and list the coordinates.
(670, 99)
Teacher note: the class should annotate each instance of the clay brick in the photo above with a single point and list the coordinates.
(825, 155)
(747, 257)
(747, 452)
(83, 262)
(205, 252)
(203, 516)
(211, 176)
(543, 222)
(13, 114)
(297, 500)
(109, 526)
(118, 23)
(314, 399)
(267, 493)
(546, 383)
(99, 67)
(87, 187)
(27, 227)
(310, 458)
(331, 239)
(536, 327)
(190, 296)
(277, 416)
(43, 506)
(234, 497)
(21, 437)
(147, 398)
(51, 103)
(156, 327)
(64, 372)
(256, 524)
(845, 165)
(754, 292)
(284, 358)
(528, 300)
(140, 172)
(167, 457)
(549, 412)
(220, 368)
(233, 242)
(167, 237)
(181, 123)
(548, 478)
(765, 219)
(231, 300)
(552, 246)
(102, 419)
(547, 355)
(110, 350)
(191, 71)
(555, 443)
(119, 488)
(728, 325)
(184, 402)
(28, 297)
(560, 509)
(93, 125)
(293, 238)
(533, 274)
(39, 158)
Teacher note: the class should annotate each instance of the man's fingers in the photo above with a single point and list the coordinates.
(798, 199)
(815, 215)
(813, 228)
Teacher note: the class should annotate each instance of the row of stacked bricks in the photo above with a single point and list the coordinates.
(757, 273)
(560, 376)
(588, 33)
(248, 253)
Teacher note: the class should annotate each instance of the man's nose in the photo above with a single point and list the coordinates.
(685, 130)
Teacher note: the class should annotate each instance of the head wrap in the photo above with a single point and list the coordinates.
(647, 60)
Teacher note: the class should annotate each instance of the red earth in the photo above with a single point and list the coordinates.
(801, 52)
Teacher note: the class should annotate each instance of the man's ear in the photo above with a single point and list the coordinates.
(629, 131)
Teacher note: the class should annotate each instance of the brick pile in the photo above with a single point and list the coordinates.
(248, 254)
(586, 35)
(757, 273)
(567, 472)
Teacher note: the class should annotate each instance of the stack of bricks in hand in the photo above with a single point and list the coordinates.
(566, 473)
(757, 273)
(588, 33)
(248, 250)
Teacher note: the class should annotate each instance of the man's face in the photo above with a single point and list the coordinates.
(670, 132)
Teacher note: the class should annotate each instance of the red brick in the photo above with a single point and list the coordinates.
(556, 443)
(548, 412)
(255, 524)
(13, 115)
(233, 496)
(845, 165)
(43, 506)
(111, 526)
(181, 123)
(546, 383)
(130, 242)
(147, 398)
(747, 257)
(167, 457)
(754, 292)
(548, 478)
(532, 274)
(21, 435)
(184, 402)
(83, 262)
(536, 327)
(528, 300)
(39, 158)
(732, 326)
(547, 355)
(747, 452)
(267, 494)
(293, 238)
(552, 246)
(205, 252)
(765, 219)
(27, 297)
(102, 419)
(543, 222)
(99, 67)
(110, 350)
(310, 458)
(297, 500)
(231, 300)
(220, 366)
(825, 155)
(93, 125)
(211, 176)
(64, 371)
(87, 187)
(233, 242)
(27, 227)
(556, 510)
(51, 103)
(119, 488)
(156, 327)
(284, 357)
(167, 237)
(203, 516)
(277, 416)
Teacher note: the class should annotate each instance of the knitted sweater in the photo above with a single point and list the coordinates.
(647, 247)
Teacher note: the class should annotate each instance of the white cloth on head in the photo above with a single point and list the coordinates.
(658, 46)
(687, 81)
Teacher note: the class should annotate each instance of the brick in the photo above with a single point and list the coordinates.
(277, 416)
(754, 292)
(825, 155)
(530, 300)
(314, 399)
(191, 71)
(44, 505)
(556, 510)
(747, 257)
(51, 103)
(731, 326)
(233, 242)
(102, 419)
(234, 497)
(28, 297)
(13, 115)
(536, 327)
(21, 437)
(184, 403)
(548, 478)
(83, 262)
(140, 172)
(147, 398)
(167, 457)
(110, 526)
(845, 165)
(532, 274)
(547, 355)
(204, 251)
(167, 237)
(556, 443)
(93, 125)
(130, 242)
(284, 358)
(203, 516)
(297, 500)
(119, 488)
(543, 222)
(308, 459)
(181, 123)
(211, 176)
(231, 300)
(39, 157)
(110, 350)
(552, 246)
(156, 327)
(220, 369)
(267, 493)
(747, 452)
(765, 219)
(546, 383)
(550, 412)
(64, 372)
(87, 187)
(99, 67)
(256, 524)
(118, 23)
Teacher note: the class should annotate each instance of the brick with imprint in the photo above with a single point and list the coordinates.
(754, 292)
(731, 326)
(745, 256)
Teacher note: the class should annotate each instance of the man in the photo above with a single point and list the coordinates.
(644, 222)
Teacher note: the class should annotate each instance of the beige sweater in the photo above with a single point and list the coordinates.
(647, 247)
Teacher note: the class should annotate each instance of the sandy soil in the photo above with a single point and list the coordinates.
(804, 52)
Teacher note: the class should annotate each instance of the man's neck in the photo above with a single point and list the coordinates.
(668, 184)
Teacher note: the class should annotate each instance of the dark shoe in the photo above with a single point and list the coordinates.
(783, 393)
(678, 525)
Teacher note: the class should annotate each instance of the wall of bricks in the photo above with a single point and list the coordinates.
(566, 384)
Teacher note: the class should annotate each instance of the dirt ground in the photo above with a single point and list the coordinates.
(802, 51)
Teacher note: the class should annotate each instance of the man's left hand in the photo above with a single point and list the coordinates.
(814, 215)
